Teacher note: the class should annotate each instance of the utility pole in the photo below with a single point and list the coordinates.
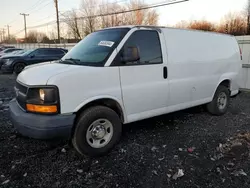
(248, 23)
(3, 34)
(25, 28)
(248, 17)
(8, 30)
(57, 20)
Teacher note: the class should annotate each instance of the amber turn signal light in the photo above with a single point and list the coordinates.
(41, 108)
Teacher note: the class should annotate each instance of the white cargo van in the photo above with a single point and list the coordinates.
(124, 74)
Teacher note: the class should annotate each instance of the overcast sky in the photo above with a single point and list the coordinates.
(42, 11)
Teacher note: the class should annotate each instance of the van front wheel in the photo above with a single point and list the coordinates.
(97, 131)
(220, 102)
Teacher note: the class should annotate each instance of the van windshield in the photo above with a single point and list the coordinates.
(95, 49)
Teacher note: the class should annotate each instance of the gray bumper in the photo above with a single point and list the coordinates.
(40, 126)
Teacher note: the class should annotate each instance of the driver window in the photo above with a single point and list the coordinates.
(39, 52)
(148, 44)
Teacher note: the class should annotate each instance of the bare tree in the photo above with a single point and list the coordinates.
(182, 24)
(234, 24)
(71, 19)
(248, 16)
(108, 19)
(140, 17)
(34, 37)
(95, 15)
(89, 10)
(202, 25)
(110, 16)
(12, 39)
(197, 25)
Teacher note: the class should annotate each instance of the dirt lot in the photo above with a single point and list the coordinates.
(207, 151)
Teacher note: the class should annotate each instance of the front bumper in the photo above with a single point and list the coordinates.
(6, 69)
(40, 126)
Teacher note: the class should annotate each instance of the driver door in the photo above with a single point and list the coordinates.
(144, 83)
(38, 56)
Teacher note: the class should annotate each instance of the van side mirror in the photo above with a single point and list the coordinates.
(130, 54)
(32, 56)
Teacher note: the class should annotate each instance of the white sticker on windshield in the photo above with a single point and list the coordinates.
(106, 43)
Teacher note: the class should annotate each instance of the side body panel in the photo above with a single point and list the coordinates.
(82, 85)
(198, 63)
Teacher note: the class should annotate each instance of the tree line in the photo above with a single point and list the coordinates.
(233, 23)
(96, 14)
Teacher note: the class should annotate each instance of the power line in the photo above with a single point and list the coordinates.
(40, 8)
(20, 31)
(33, 6)
(42, 20)
(13, 21)
(108, 14)
(115, 13)
(101, 5)
(41, 25)
(46, 17)
(39, 2)
(133, 10)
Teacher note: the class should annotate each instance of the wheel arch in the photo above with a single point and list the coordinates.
(107, 101)
(225, 82)
(18, 61)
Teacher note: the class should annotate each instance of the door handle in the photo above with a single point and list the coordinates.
(165, 72)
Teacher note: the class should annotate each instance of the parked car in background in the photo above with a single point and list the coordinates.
(6, 47)
(16, 62)
(9, 50)
(17, 52)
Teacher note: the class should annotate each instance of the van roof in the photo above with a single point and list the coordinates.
(163, 27)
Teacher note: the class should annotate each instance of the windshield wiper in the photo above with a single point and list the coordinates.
(71, 61)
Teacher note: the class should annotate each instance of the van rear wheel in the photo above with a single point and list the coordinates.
(220, 102)
(97, 131)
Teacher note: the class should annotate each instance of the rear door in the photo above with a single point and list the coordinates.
(55, 54)
(144, 83)
(38, 56)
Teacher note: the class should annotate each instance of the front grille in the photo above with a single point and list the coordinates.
(21, 94)
(21, 88)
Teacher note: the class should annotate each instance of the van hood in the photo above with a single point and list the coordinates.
(39, 74)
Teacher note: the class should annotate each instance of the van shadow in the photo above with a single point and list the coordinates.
(168, 120)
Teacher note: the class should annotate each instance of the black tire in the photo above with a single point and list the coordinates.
(213, 107)
(18, 67)
(87, 117)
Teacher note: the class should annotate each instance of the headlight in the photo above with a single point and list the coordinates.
(43, 100)
(7, 61)
(42, 94)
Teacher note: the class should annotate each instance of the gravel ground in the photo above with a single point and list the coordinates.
(207, 151)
